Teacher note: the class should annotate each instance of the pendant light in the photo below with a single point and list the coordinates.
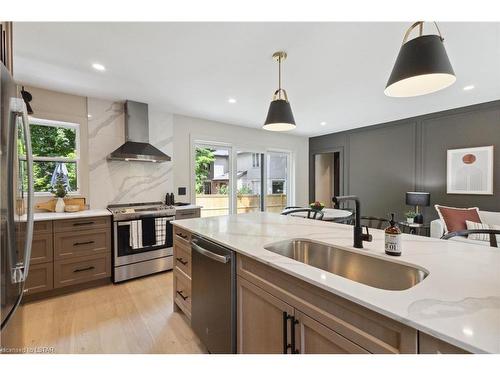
(280, 116)
(422, 65)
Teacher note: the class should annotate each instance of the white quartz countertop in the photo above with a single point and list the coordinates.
(187, 207)
(41, 216)
(458, 302)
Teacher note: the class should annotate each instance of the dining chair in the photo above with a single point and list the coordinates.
(374, 222)
(311, 214)
(464, 233)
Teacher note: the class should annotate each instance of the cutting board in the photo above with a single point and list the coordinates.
(51, 204)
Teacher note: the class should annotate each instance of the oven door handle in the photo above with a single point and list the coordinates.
(209, 254)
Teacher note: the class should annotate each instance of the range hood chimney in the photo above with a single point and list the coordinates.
(137, 146)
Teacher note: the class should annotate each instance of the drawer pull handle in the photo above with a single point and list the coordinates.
(83, 243)
(182, 261)
(83, 223)
(179, 292)
(84, 269)
(182, 235)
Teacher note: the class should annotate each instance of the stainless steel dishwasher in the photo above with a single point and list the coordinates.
(213, 293)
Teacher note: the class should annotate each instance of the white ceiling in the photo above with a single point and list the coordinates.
(335, 72)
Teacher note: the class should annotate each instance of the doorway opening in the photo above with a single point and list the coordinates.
(326, 177)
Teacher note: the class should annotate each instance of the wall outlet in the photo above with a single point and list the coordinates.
(181, 191)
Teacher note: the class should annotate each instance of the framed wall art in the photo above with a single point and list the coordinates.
(470, 171)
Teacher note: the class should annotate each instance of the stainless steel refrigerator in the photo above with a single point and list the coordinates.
(16, 210)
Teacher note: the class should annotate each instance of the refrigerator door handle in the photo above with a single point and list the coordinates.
(31, 192)
(20, 272)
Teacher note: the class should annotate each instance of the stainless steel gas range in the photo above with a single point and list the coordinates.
(143, 239)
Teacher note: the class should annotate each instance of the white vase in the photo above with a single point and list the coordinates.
(60, 205)
(410, 220)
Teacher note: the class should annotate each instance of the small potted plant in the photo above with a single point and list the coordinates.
(317, 206)
(410, 216)
(59, 191)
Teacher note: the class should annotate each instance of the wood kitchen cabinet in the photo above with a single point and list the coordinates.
(268, 325)
(187, 213)
(263, 321)
(312, 337)
(68, 252)
(182, 271)
(321, 322)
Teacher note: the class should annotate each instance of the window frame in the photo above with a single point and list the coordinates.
(56, 159)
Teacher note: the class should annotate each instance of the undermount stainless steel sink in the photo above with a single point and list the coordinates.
(365, 269)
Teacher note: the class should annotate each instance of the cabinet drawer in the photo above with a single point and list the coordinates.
(100, 222)
(88, 242)
(40, 278)
(78, 270)
(182, 290)
(431, 345)
(41, 248)
(182, 235)
(182, 258)
(187, 214)
(42, 227)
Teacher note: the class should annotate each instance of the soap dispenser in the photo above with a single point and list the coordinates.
(393, 238)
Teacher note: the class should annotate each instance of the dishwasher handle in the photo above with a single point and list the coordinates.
(209, 254)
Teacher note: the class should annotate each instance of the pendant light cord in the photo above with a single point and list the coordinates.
(279, 74)
(280, 94)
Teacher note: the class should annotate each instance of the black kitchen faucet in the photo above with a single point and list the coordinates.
(359, 236)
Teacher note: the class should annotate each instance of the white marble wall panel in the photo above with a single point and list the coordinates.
(114, 181)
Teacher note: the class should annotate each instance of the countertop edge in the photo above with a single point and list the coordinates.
(47, 216)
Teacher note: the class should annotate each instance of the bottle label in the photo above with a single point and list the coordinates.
(393, 244)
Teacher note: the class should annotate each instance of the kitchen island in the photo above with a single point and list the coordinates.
(457, 304)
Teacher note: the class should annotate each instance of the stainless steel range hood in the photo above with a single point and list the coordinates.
(137, 146)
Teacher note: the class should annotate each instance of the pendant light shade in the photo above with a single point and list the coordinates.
(280, 116)
(422, 66)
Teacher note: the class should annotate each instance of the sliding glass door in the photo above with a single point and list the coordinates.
(230, 181)
(212, 169)
(278, 181)
(249, 177)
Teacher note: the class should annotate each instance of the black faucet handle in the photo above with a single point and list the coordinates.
(367, 237)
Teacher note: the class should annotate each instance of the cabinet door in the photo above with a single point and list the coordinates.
(312, 337)
(262, 321)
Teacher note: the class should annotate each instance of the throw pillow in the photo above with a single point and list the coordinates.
(454, 218)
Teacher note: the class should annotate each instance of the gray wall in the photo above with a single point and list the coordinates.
(381, 162)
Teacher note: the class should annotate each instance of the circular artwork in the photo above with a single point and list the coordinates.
(469, 158)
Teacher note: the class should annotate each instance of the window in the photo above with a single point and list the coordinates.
(278, 187)
(56, 151)
(256, 160)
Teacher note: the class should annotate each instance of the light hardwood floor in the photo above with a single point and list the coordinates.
(133, 317)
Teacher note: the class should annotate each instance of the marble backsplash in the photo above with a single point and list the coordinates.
(114, 181)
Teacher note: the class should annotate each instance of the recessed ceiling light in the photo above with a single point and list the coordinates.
(231, 100)
(89, 116)
(468, 87)
(99, 67)
(322, 123)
